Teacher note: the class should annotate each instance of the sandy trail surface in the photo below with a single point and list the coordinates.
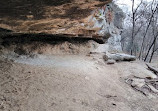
(71, 83)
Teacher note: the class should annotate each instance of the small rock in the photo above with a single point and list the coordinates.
(29, 17)
(111, 61)
(87, 78)
(113, 104)
(94, 53)
(88, 55)
(105, 57)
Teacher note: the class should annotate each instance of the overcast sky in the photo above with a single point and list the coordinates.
(126, 5)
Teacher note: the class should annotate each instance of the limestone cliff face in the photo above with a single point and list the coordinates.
(109, 20)
(99, 19)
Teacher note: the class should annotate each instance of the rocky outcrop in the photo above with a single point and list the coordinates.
(99, 20)
(113, 25)
(85, 18)
(70, 18)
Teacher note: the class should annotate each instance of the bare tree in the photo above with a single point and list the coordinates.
(134, 19)
(153, 43)
(153, 11)
(140, 25)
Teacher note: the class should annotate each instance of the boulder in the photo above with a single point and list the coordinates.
(122, 57)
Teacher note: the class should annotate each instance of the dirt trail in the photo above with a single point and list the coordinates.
(71, 83)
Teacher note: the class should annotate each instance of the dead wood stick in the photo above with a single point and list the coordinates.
(152, 69)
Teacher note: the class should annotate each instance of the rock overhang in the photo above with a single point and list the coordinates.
(64, 18)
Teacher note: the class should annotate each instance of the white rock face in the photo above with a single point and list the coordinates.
(114, 43)
(109, 19)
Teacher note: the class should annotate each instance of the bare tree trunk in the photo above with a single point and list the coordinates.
(151, 57)
(134, 19)
(152, 69)
(135, 51)
(142, 45)
(133, 27)
(153, 51)
(151, 47)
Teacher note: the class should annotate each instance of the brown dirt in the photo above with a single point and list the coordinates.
(71, 83)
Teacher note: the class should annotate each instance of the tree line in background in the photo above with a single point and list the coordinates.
(140, 35)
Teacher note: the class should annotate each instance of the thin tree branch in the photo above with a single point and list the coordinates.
(138, 6)
(155, 49)
(138, 30)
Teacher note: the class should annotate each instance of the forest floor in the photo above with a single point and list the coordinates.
(71, 83)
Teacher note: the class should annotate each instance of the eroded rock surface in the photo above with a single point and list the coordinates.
(70, 18)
